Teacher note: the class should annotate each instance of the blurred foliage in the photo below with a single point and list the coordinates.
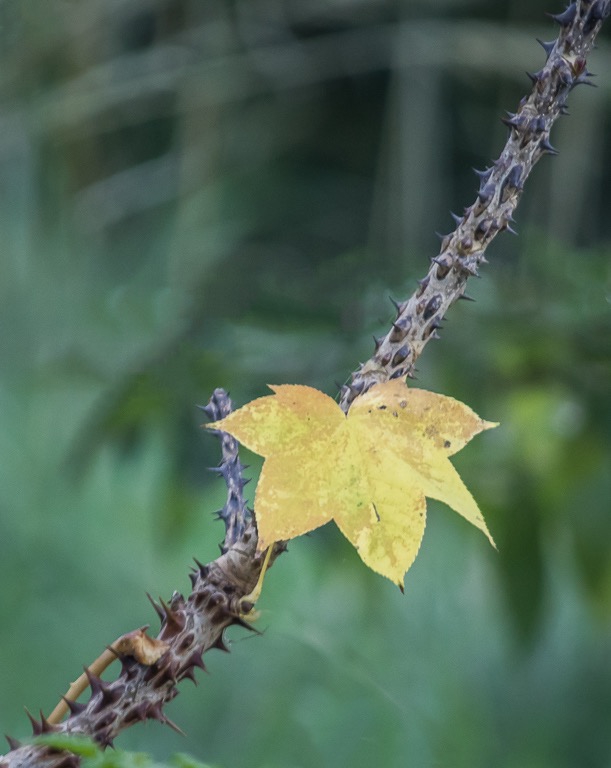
(93, 757)
(223, 193)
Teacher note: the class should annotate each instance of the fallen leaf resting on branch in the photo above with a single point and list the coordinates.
(369, 470)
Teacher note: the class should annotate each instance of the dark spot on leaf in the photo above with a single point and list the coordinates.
(446, 443)
(382, 407)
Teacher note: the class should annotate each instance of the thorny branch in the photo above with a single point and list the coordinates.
(463, 250)
(193, 625)
(189, 627)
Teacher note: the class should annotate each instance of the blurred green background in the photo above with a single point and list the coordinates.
(225, 193)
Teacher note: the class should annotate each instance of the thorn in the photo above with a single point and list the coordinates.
(431, 307)
(466, 244)
(484, 175)
(356, 387)
(155, 712)
(396, 305)
(103, 738)
(239, 621)
(583, 79)
(173, 726)
(204, 570)
(514, 176)
(220, 644)
(129, 668)
(445, 240)
(547, 47)
(545, 146)
(484, 228)
(166, 670)
(95, 682)
(485, 193)
(74, 706)
(45, 725)
(194, 660)
(107, 694)
(511, 121)
(456, 217)
(173, 622)
(439, 260)
(36, 726)
(443, 268)
(511, 183)
(136, 714)
(378, 342)
(466, 297)
(470, 269)
(565, 18)
(189, 675)
(13, 743)
(157, 607)
(538, 125)
(401, 355)
(397, 333)
(534, 77)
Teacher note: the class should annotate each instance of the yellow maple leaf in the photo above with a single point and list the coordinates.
(369, 470)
